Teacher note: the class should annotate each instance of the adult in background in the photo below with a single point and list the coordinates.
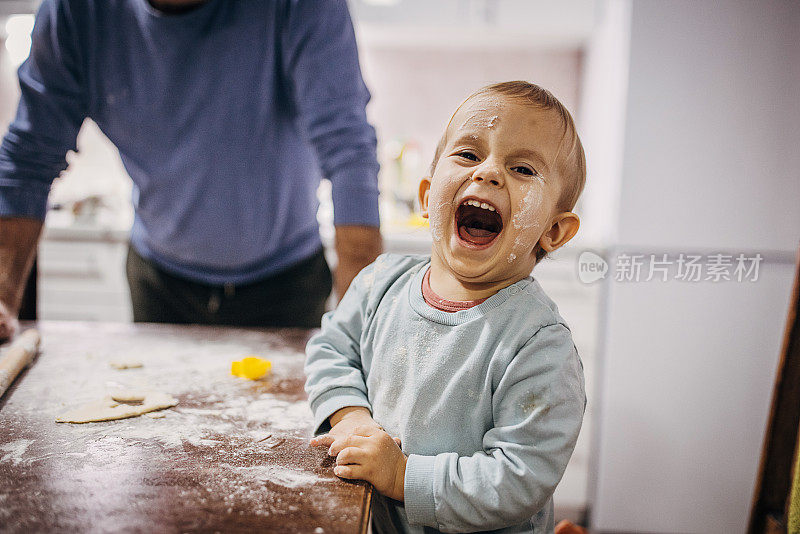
(226, 115)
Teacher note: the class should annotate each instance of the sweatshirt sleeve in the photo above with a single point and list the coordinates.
(333, 369)
(322, 69)
(51, 110)
(538, 408)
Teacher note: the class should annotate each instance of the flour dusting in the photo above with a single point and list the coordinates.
(283, 476)
(368, 279)
(436, 223)
(526, 212)
(231, 447)
(280, 415)
(15, 450)
(523, 242)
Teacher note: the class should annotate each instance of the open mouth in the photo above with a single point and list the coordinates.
(478, 223)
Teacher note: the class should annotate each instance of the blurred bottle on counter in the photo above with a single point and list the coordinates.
(402, 167)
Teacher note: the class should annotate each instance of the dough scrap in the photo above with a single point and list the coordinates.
(129, 396)
(156, 415)
(107, 409)
(126, 364)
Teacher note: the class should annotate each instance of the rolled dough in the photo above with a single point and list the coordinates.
(108, 409)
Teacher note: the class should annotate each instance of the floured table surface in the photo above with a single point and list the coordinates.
(232, 456)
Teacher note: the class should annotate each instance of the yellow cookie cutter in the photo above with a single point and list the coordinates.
(251, 367)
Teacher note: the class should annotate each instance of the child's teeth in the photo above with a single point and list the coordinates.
(478, 204)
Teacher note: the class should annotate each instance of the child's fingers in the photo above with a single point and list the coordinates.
(367, 430)
(352, 471)
(351, 455)
(323, 440)
(349, 441)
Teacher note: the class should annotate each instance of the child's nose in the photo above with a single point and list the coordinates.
(488, 172)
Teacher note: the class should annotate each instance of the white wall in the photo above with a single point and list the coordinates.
(416, 89)
(601, 123)
(710, 164)
(713, 125)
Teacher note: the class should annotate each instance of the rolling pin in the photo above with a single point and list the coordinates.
(18, 355)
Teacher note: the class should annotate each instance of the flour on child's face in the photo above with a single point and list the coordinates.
(437, 225)
(499, 153)
(480, 117)
(525, 219)
(525, 216)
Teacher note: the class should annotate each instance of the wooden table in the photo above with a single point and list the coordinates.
(233, 456)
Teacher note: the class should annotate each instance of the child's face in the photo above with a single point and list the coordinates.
(499, 154)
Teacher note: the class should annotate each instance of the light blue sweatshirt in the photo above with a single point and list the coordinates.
(487, 402)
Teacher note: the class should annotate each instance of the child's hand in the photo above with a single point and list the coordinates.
(343, 423)
(373, 455)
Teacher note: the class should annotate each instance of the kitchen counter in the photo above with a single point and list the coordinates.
(232, 456)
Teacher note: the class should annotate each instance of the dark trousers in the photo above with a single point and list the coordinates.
(293, 297)
(27, 309)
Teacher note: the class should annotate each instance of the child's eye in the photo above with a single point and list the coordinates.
(468, 155)
(526, 171)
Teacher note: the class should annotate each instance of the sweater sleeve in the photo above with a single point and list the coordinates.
(538, 408)
(321, 67)
(51, 110)
(333, 369)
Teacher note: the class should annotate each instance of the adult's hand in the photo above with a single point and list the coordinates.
(356, 247)
(18, 239)
(8, 322)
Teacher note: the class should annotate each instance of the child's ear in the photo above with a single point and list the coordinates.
(424, 191)
(563, 227)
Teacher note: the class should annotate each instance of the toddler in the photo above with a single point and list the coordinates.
(451, 382)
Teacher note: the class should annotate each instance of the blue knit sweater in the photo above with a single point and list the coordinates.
(225, 117)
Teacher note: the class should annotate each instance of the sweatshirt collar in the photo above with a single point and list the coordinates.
(455, 318)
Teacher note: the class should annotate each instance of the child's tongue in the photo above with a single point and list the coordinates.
(476, 236)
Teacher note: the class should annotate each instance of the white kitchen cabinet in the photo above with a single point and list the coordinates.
(82, 276)
(579, 304)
